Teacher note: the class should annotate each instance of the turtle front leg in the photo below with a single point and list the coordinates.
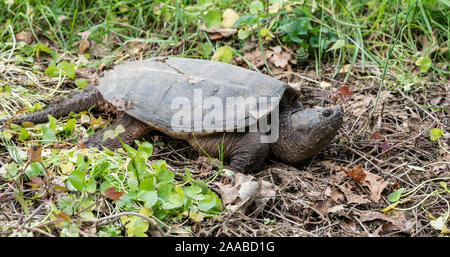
(134, 129)
(244, 151)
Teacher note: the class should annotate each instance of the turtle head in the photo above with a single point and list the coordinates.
(307, 132)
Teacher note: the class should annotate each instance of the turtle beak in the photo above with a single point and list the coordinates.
(334, 114)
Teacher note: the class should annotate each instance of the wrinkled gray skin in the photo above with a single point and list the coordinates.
(303, 132)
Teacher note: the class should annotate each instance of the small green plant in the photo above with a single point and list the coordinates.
(435, 135)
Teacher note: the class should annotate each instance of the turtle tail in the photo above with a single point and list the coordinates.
(76, 102)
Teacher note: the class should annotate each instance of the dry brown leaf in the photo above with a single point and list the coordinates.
(334, 194)
(89, 74)
(255, 58)
(98, 49)
(352, 197)
(34, 153)
(84, 44)
(345, 68)
(246, 188)
(327, 207)
(25, 36)
(62, 216)
(113, 194)
(325, 85)
(356, 173)
(374, 182)
(229, 17)
(217, 32)
(396, 219)
(279, 57)
(376, 185)
(360, 104)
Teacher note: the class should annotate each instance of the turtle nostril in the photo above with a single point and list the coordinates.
(327, 113)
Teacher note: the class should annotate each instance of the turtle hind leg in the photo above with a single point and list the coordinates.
(244, 151)
(134, 129)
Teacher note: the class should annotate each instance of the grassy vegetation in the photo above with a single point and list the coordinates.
(46, 45)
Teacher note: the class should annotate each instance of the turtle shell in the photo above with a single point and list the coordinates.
(158, 89)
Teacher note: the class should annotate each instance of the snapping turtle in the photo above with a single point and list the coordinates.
(145, 95)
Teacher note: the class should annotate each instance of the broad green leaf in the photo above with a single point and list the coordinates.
(212, 18)
(229, 17)
(119, 129)
(175, 201)
(52, 70)
(70, 231)
(136, 226)
(12, 169)
(159, 165)
(196, 217)
(105, 185)
(109, 134)
(76, 178)
(265, 33)
(132, 183)
(208, 203)
(275, 7)
(66, 204)
(435, 134)
(35, 107)
(39, 47)
(80, 83)
(148, 197)
(23, 134)
(147, 184)
(48, 135)
(440, 222)
(205, 49)
(91, 186)
(82, 162)
(223, 54)
(337, 45)
(165, 176)
(395, 196)
(51, 122)
(145, 150)
(68, 69)
(246, 20)
(444, 185)
(192, 191)
(164, 191)
(87, 214)
(424, 63)
(243, 33)
(126, 199)
(22, 59)
(256, 6)
(34, 169)
(69, 126)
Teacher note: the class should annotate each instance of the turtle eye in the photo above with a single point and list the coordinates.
(327, 113)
